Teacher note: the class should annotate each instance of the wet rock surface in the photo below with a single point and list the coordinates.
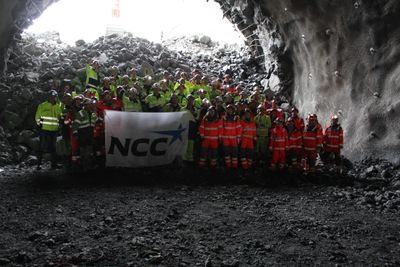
(334, 56)
(138, 218)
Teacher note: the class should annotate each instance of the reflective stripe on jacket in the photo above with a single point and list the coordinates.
(333, 138)
(231, 128)
(263, 124)
(279, 139)
(248, 129)
(92, 79)
(210, 129)
(48, 116)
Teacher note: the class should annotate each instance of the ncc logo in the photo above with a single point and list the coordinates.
(141, 147)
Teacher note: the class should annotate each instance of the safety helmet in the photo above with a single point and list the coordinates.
(155, 86)
(205, 101)
(230, 106)
(87, 101)
(106, 92)
(53, 93)
(334, 117)
(78, 97)
(312, 116)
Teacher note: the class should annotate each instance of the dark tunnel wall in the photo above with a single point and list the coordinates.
(344, 56)
(328, 55)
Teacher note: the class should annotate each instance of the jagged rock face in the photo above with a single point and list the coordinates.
(330, 56)
(343, 56)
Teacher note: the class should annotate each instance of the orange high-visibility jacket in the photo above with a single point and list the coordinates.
(210, 129)
(295, 140)
(232, 129)
(310, 138)
(248, 129)
(279, 139)
(299, 123)
(333, 138)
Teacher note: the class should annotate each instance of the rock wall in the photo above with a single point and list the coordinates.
(326, 55)
(334, 56)
(14, 17)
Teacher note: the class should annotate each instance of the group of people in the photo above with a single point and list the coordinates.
(230, 127)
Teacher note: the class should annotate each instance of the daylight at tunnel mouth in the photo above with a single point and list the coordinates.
(194, 132)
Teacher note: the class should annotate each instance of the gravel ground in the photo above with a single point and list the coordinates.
(157, 217)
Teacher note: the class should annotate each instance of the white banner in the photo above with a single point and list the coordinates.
(136, 139)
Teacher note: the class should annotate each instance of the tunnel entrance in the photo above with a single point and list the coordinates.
(153, 20)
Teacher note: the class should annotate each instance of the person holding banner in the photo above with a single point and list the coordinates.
(210, 131)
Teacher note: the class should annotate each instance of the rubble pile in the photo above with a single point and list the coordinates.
(376, 185)
(39, 63)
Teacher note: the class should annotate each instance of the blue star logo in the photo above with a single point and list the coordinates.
(176, 134)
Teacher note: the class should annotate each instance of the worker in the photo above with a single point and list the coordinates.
(48, 115)
(210, 131)
(263, 124)
(231, 137)
(310, 143)
(202, 94)
(125, 82)
(92, 77)
(107, 86)
(91, 93)
(298, 121)
(172, 105)
(82, 126)
(278, 144)
(220, 106)
(333, 141)
(114, 74)
(131, 101)
(295, 145)
(274, 112)
(180, 93)
(107, 103)
(248, 138)
(69, 119)
(155, 101)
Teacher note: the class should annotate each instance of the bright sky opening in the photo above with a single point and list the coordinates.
(154, 20)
